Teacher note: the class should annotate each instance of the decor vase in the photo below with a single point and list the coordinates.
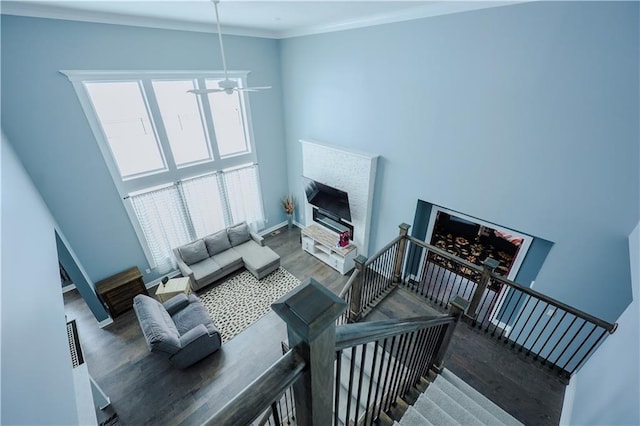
(290, 221)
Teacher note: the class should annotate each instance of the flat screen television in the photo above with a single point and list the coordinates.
(327, 198)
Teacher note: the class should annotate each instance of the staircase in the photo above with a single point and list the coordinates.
(447, 400)
(450, 401)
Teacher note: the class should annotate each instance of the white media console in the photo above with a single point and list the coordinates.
(323, 244)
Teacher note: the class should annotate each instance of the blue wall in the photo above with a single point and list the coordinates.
(523, 115)
(605, 392)
(44, 121)
(36, 382)
(77, 277)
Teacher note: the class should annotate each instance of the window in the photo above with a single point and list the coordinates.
(123, 114)
(183, 163)
(181, 116)
(228, 121)
(194, 208)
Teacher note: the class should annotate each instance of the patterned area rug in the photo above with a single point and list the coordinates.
(239, 302)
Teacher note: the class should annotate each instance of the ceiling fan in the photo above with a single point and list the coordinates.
(228, 86)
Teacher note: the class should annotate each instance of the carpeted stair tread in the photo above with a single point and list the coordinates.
(467, 403)
(434, 414)
(480, 399)
(412, 417)
(451, 407)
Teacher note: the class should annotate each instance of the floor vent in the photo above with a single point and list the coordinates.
(74, 344)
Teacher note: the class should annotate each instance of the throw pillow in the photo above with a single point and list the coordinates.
(217, 243)
(239, 234)
(193, 252)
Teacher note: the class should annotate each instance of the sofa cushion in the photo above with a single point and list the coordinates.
(193, 252)
(156, 324)
(217, 242)
(238, 234)
(204, 269)
(195, 313)
(228, 258)
(255, 257)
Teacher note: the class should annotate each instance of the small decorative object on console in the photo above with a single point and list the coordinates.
(344, 239)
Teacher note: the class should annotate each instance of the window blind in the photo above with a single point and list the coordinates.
(197, 207)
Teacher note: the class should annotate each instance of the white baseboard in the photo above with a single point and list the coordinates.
(567, 404)
(277, 226)
(105, 322)
(68, 288)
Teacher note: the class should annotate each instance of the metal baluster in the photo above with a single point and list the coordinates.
(386, 375)
(414, 361)
(373, 374)
(375, 398)
(501, 296)
(598, 340)
(437, 283)
(363, 358)
(426, 272)
(506, 324)
(352, 368)
(393, 363)
(581, 345)
(504, 308)
(570, 342)
(535, 358)
(526, 322)
(558, 342)
(398, 369)
(336, 397)
(534, 327)
(274, 413)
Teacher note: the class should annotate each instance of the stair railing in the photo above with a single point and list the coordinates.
(381, 273)
(378, 362)
(545, 329)
(402, 351)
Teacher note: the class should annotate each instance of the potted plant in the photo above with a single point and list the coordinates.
(289, 205)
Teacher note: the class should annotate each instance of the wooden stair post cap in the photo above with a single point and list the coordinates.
(309, 309)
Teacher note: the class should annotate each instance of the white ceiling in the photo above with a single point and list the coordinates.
(264, 18)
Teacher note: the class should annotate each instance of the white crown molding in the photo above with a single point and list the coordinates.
(33, 10)
(420, 12)
(39, 10)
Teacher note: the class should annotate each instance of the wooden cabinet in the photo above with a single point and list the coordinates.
(323, 244)
(118, 291)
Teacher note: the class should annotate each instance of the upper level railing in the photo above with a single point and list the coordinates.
(551, 332)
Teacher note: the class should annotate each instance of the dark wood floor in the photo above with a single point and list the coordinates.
(145, 389)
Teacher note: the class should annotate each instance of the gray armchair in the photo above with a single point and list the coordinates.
(180, 328)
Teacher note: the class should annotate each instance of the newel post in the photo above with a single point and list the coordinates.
(402, 245)
(457, 309)
(310, 311)
(488, 266)
(355, 301)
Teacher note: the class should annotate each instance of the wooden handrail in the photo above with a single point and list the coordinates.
(445, 254)
(497, 277)
(354, 275)
(349, 283)
(349, 335)
(574, 311)
(382, 251)
(256, 397)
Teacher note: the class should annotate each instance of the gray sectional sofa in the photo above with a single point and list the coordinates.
(210, 258)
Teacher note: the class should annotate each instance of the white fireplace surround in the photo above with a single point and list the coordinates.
(350, 171)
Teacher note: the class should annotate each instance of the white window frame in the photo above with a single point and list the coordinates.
(172, 174)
